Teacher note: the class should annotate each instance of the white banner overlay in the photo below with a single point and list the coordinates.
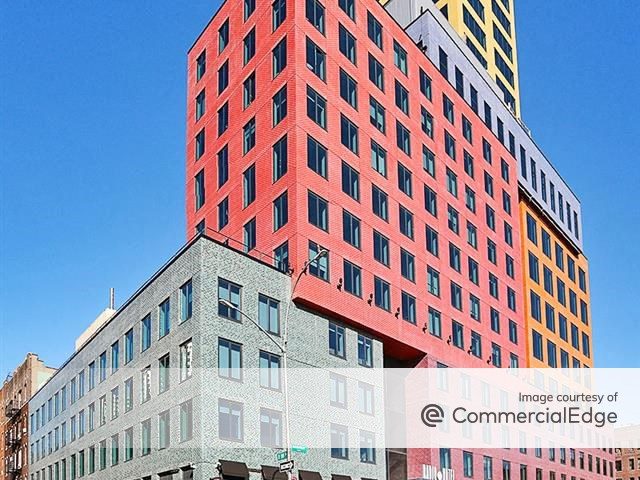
(422, 407)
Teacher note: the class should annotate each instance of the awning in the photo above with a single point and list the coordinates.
(307, 475)
(340, 477)
(272, 473)
(234, 469)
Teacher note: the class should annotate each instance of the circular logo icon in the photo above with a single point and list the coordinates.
(432, 414)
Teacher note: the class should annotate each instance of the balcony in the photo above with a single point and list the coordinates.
(10, 411)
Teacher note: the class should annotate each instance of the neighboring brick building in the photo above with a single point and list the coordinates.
(14, 396)
(628, 459)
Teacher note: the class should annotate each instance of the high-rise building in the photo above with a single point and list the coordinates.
(328, 126)
(15, 392)
(488, 29)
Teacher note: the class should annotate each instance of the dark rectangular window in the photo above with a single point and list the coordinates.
(315, 14)
(350, 181)
(318, 211)
(316, 156)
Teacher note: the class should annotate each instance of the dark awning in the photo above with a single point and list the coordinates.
(272, 473)
(340, 477)
(307, 475)
(234, 469)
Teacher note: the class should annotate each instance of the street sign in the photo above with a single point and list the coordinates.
(282, 455)
(299, 449)
(286, 466)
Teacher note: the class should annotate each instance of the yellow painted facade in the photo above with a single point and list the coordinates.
(488, 28)
(556, 292)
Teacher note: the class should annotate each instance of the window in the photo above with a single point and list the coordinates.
(280, 211)
(186, 354)
(201, 65)
(249, 44)
(425, 85)
(403, 138)
(128, 394)
(430, 201)
(199, 190)
(279, 57)
(223, 77)
(316, 107)
(316, 60)
(229, 359)
(365, 351)
(164, 430)
(426, 122)
(269, 365)
(319, 268)
(378, 159)
(249, 186)
(248, 91)
(103, 377)
(374, 30)
(470, 199)
(552, 360)
(347, 44)
(443, 63)
(200, 144)
(408, 308)
(454, 257)
(223, 213)
(367, 447)
(352, 278)
(496, 355)
(186, 421)
(337, 340)
(467, 130)
(452, 183)
(349, 134)
(402, 98)
(382, 293)
(230, 420)
(453, 219)
(407, 265)
(350, 229)
(379, 200)
(380, 248)
(249, 7)
(399, 57)
(270, 428)
(186, 301)
(432, 241)
(318, 211)
(435, 326)
(457, 334)
(315, 14)
(316, 156)
(473, 26)
(447, 108)
(456, 296)
(433, 281)
(249, 136)
(532, 229)
(280, 158)
(376, 72)
(231, 293)
(164, 318)
(339, 442)
(279, 12)
(350, 181)
(429, 161)
(164, 366)
(281, 257)
(200, 105)
(405, 180)
(269, 314)
(459, 82)
(280, 105)
(534, 270)
(406, 222)
(476, 344)
(223, 171)
(348, 89)
(223, 36)
(377, 115)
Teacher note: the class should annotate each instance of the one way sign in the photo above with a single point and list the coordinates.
(286, 466)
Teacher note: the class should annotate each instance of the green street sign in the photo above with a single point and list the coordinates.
(299, 449)
(281, 455)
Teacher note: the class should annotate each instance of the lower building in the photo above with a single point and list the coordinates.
(168, 387)
(628, 458)
(14, 420)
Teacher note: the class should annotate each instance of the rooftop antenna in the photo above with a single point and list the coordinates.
(112, 298)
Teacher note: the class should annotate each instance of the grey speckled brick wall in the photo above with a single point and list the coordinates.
(203, 262)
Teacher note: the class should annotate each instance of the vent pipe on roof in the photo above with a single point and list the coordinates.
(112, 298)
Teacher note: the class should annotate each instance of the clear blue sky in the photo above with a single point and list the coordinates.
(92, 98)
